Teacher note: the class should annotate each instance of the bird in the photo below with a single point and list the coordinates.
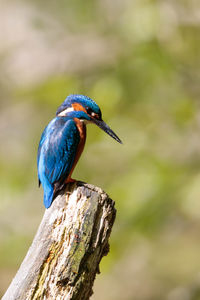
(62, 143)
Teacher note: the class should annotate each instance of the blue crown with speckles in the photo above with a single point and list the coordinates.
(81, 99)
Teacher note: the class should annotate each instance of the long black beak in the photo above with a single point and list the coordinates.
(107, 129)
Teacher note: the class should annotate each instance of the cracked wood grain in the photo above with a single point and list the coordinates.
(64, 257)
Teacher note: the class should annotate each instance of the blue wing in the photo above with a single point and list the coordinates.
(56, 153)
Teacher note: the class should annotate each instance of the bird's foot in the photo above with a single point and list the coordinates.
(70, 180)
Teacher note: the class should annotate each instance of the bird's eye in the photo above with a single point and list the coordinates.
(89, 111)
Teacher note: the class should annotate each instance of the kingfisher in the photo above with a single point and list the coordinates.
(62, 143)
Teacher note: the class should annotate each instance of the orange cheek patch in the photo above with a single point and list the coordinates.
(77, 106)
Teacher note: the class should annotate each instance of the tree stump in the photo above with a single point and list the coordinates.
(64, 257)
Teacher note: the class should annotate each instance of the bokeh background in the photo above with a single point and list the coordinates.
(139, 60)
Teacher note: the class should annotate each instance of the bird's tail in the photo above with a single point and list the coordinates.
(48, 196)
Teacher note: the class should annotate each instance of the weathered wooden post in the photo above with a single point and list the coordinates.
(64, 257)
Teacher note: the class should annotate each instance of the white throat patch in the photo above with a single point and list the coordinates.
(64, 112)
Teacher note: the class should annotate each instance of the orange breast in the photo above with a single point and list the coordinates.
(82, 131)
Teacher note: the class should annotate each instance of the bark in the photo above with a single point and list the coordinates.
(64, 257)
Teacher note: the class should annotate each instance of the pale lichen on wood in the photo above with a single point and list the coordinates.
(64, 257)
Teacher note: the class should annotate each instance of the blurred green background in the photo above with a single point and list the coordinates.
(139, 60)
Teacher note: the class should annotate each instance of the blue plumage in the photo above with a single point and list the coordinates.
(62, 143)
(56, 154)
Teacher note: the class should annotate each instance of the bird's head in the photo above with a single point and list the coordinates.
(85, 109)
